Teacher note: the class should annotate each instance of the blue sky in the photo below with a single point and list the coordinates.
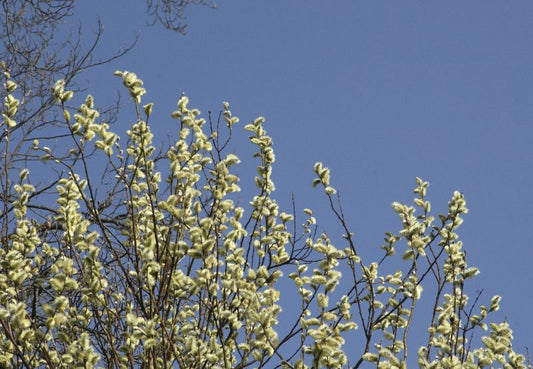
(381, 92)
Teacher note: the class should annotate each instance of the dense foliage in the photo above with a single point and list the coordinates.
(156, 265)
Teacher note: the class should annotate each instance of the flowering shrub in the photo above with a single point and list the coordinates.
(157, 266)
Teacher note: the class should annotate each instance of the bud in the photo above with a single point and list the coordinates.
(148, 109)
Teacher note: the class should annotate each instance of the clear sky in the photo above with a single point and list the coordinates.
(381, 92)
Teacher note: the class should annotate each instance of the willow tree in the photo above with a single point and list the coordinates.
(157, 266)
